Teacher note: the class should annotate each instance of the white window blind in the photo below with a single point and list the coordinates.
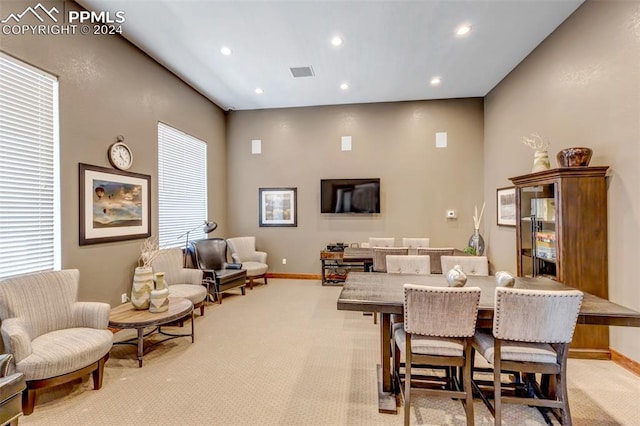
(29, 164)
(182, 186)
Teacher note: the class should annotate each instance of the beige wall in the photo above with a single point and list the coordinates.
(581, 87)
(108, 87)
(392, 141)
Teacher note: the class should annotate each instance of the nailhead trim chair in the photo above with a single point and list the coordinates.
(380, 256)
(181, 282)
(532, 330)
(210, 255)
(408, 264)
(439, 324)
(471, 265)
(435, 253)
(414, 243)
(53, 338)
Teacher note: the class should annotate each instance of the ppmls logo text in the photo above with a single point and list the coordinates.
(40, 19)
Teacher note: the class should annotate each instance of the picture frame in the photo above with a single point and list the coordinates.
(278, 207)
(506, 206)
(114, 205)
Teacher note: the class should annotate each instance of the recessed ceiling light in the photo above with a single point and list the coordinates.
(225, 51)
(336, 41)
(463, 30)
(344, 86)
(259, 91)
(435, 81)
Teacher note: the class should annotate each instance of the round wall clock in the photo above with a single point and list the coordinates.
(120, 156)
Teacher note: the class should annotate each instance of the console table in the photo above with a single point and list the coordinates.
(339, 263)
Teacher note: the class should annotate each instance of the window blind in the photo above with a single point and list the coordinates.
(29, 169)
(182, 186)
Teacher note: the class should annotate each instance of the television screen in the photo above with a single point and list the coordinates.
(350, 195)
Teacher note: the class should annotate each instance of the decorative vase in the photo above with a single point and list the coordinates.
(540, 161)
(574, 157)
(477, 242)
(160, 295)
(456, 277)
(142, 286)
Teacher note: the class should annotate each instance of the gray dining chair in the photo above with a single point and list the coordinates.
(380, 256)
(435, 253)
(382, 242)
(414, 243)
(532, 330)
(439, 324)
(408, 264)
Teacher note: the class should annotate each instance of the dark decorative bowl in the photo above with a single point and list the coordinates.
(574, 157)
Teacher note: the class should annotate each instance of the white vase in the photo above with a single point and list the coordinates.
(142, 286)
(159, 295)
(540, 161)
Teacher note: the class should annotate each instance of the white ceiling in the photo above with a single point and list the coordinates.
(391, 48)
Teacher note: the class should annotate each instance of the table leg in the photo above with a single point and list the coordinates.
(386, 397)
(140, 346)
(192, 332)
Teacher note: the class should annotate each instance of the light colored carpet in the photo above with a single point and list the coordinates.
(284, 355)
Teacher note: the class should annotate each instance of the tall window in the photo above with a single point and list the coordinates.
(182, 186)
(29, 169)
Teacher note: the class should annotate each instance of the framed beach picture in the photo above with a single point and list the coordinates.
(114, 205)
(278, 207)
(506, 206)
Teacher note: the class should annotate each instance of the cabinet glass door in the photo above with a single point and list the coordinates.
(538, 230)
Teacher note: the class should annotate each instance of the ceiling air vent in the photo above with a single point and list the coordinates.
(297, 72)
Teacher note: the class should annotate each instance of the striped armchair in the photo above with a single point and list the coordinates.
(53, 338)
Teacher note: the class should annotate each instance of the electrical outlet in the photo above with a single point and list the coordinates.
(124, 298)
(284, 261)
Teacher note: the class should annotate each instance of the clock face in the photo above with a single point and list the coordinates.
(120, 156)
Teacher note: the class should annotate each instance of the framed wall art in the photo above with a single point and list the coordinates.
(506, 206)
(278, 207)
(114, 205)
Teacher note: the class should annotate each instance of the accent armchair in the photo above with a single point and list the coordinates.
(11, 388)
(181, 282)
(210, 255)
(243, 250)
(53, 338)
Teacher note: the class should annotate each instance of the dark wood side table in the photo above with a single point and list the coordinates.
(125, 316)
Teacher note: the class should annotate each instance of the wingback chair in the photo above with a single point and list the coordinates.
(53, 338)
(182, 282)
(210, 255)
(243, 250)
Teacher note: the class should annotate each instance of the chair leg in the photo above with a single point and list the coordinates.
(468, 389)
(561, 385)
(250, 283)
(265, 279)
(28, 400)
(497, 392)
(407, 382)
(98, 373)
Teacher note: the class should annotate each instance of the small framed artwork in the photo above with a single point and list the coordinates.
(278, 207)
(506, 206)
(114, 205)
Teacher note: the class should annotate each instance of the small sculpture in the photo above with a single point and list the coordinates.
(456, 277)
(504, 279)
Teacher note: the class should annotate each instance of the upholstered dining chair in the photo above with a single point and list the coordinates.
(408, 264)
(243, 250)
(181, 282)
(435, 253)
(382, 242)
(380, 256)
(532, 330)
(52, 336)
(471, 265)
(11, 388)
(439, 324)
(414, 243)
(210, 255)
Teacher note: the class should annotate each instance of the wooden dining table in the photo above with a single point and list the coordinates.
(383, 293)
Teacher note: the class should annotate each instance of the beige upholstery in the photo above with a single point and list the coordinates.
(11, 388)
(380, 256)
(435, 253)
(531, 333)
(439, 324)
(408, 264)
(413, 243)
(182, 282)
(382, 242)
(51, 334)
(471, 265)
(243, 250)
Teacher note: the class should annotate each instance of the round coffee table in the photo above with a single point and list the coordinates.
(125, 316)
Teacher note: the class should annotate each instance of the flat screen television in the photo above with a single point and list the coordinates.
(350, 195)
